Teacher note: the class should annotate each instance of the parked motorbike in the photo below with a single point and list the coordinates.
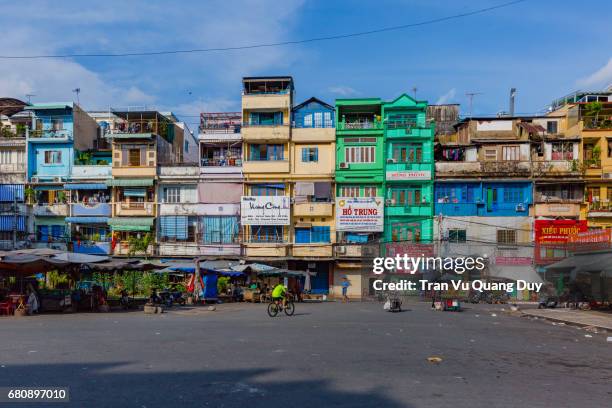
(549, 302)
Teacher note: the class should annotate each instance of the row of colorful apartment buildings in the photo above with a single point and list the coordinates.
(308, 185)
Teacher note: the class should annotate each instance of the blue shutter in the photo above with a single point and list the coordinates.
(278, 118)
(181, 227)
(302, 235)
(57, 232)
(11, 192)
(316, 154)
(43, 231)
(304, 154)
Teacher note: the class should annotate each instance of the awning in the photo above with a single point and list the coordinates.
(87, 220)
(135, 192)
(131, 223)
(127, 182)
(50, 187)
(86, 186)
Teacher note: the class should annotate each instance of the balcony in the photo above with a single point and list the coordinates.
(554, 168)
(195, 249)
(357, 250)
(416, 210)
(50, 135)
(266, 101)
(313, 250)
(264, 249)
(146, 124)
(134, 171)
(456, 209)
(313, 209)
(217, 166)
(87, 210)
(457, 169)
(260, 133)
(182, 209)
(83, 172)
(404, 129)
(310, 135)
(135, 209)
(123, 249)
(266, 166)
(181, 173)
(506, 168)
(482, 169)
(600, 209)
(12, 168)
(360, 124)
(50, 210)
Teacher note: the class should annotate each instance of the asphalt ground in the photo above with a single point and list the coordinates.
(326, 355)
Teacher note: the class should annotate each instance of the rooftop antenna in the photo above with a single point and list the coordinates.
(512, 95)
(471, 96)
(414, 91)
(29, 96)
(77, 91)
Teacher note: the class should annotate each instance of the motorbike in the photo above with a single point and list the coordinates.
(549, 302)
(393, 304)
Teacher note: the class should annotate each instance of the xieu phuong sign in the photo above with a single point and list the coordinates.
(360, 214)
(265, 210)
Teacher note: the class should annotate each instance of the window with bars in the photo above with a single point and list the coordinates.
(513, 195)
(408, 153)
(53, 157)
(310, 154)
(405, 233)
(511, 153)
(490, 154)
(411, 195)
(506, 236)
(457, 235)
(369, 191)
(266, 233)
(265, 152)
(349, 191)
(360, 154)
(172, 195)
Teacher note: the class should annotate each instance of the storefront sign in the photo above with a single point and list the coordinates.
(265, 210)
(590, 237)
(360, 214)
(557, 231)
(409, 175)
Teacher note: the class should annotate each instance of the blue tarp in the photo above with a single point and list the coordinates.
(86, 186)
(87, 220)
(11, 192)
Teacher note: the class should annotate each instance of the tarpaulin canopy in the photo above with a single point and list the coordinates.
(131, 223)
(87, 220)
(86, 186)
(128, 182)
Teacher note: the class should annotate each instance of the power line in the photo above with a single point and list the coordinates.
(267, 45)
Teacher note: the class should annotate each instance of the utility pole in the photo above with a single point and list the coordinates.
(29, 96)
(77, 91)
(471, 96)
(15, 220)
(414, 91)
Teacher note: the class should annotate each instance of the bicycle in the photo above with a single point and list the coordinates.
(275, 307)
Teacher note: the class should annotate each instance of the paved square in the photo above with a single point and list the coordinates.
(328, 354)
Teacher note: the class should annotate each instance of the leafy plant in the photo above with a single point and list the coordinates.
(222, 284)
(30, 195)
(593, 109)
(83, 158)
(61, 197)
(138, 245)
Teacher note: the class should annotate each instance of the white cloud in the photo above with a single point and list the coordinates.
(447, 97)
(601, 77)
(343, 90)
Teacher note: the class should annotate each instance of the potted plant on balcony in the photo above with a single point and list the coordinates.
(137, 244)
(592, 111)
(30, 195)
(61, 197)
(83, 158)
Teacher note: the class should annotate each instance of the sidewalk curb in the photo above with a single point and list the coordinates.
(602, 329)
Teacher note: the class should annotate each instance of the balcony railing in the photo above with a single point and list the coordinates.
(143, 126)
(401, 124)
(51, 134)
(600, 206)
(221, 163)
(592, 163)
(360, 125)
(276, 124)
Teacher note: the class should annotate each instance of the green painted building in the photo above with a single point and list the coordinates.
(360, 158)
(409, 171)
(385, 152)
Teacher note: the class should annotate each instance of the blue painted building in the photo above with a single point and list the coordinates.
(56, 132)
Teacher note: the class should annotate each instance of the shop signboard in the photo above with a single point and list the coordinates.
(360, 214)
(265, 210)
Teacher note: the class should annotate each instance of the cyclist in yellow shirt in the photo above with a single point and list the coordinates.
(279, 294)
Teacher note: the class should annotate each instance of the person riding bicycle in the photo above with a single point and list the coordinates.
(279, 294)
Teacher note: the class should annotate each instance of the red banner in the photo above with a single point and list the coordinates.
(557, 231)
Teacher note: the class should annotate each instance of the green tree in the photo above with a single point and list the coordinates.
(140, 244)
(593, 109)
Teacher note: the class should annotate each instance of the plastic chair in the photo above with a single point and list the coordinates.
(6, 308)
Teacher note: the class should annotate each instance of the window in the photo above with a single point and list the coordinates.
(513, 194)
(268, 190)
(562, 151)
(327, 119)
(266, 118)
(134, 157)
(172, 195)
(266, 233)
(551, 127)
(312, 235)
(220, 229)
(408, 153)
(178, 228)
(490, 154)
(5, 157)
(360, 154)
(53, 157)
(411, 195)
(369, 191)
(263, 152)
(455, 193)
(405, 232)
(318, 119)
(506, 236)
(593, 194)
(349, 191)
(456, 235)
(310, 154)
(511, 153)
(57, 124)
(308, 120)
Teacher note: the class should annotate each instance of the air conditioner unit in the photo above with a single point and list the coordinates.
(607, 176)
(520, 207)
(389, 201)
(57, 179)
(35, 179)
(292, 200)
(391, 161)
(341, 250)
(344, 165)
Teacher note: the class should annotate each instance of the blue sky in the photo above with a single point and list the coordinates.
(545, 48)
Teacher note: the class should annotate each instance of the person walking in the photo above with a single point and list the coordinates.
(345, 285)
